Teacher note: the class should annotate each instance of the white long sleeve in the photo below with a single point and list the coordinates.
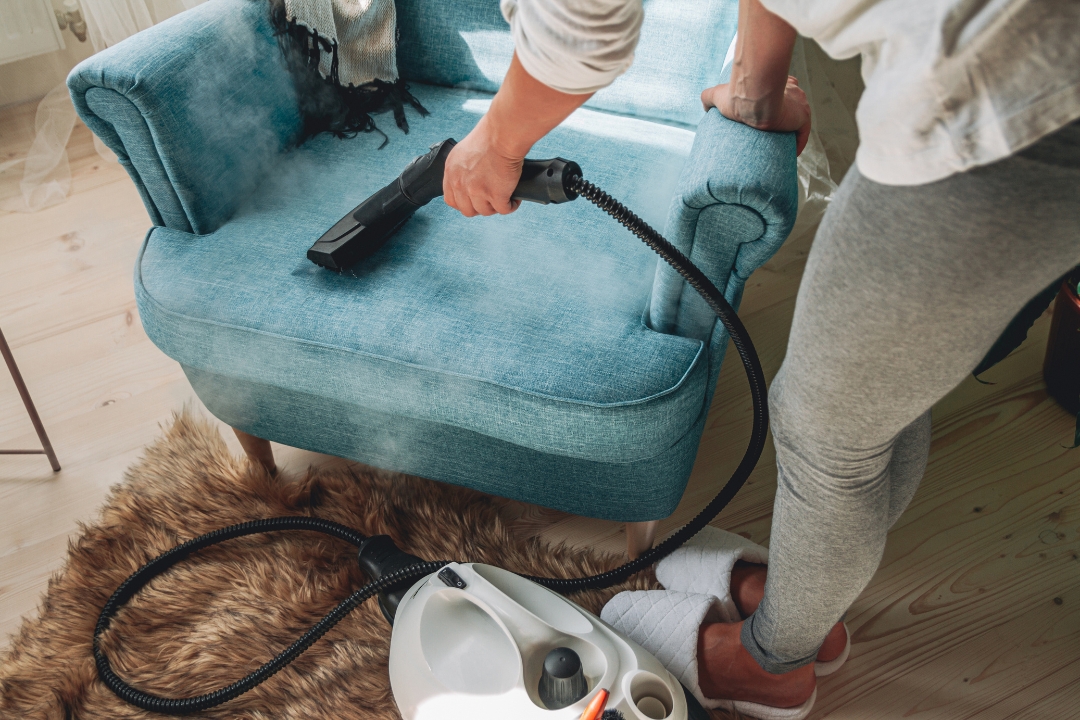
(574, 46)
(950, 84)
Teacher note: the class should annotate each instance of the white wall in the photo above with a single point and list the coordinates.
(29, 79)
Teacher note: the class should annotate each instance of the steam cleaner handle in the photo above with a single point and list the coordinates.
(542, 181)
(547, 181)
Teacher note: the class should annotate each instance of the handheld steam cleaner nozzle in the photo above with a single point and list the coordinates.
(370, 224)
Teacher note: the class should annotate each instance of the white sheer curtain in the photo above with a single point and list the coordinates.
(46, 178)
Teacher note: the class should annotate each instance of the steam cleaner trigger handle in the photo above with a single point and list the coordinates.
(542, 181)
(421, 181)
(547, 181)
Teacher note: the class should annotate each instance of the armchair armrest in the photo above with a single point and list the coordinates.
(735, 205)
(196, 108)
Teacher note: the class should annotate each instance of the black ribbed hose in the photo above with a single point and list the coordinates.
(187, 706)
(758, 391)
(754, 374)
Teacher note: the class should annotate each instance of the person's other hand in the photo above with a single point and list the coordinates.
(480, 177)
(787, 113)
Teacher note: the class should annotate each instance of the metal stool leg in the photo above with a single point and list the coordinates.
(47, 448)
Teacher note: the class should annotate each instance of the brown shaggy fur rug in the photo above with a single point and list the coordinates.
(226, 610)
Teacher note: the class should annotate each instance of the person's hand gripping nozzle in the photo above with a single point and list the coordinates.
(371, 223)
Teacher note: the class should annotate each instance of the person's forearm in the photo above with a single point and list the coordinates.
(482, 170)
(572, 48)
(759, 72)
(525, 110)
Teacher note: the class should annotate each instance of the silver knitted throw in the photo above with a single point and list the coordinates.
(362, 31)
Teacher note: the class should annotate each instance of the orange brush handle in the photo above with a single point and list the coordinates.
(596, 708)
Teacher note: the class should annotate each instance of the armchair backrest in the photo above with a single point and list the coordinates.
(466, 43)
(196, 108)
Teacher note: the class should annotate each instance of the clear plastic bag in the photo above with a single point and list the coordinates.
(46, 176)
(833, 89)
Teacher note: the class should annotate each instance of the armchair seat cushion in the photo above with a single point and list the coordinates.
(527, 328)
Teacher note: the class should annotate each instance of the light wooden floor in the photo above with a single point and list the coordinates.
(975, 611)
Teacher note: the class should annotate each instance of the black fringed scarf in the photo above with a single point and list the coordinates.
(326, 104)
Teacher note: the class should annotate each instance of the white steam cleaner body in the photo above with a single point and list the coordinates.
(476, 642)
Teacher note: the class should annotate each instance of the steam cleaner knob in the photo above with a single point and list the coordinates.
(562, 680)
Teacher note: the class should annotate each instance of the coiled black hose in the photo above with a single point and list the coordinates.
(756, 377)
(187, 706)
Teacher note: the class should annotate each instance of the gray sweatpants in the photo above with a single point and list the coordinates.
(905, 290)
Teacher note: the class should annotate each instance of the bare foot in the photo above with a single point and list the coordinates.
(726, 671)
(747, 589)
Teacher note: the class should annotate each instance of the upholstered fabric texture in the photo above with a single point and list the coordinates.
(527, 328)
(625, 491)
(540, 356)
(198, 109)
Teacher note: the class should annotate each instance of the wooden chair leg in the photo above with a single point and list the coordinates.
(640, 537)
(258, 450)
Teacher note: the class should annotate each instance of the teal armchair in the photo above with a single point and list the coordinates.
(541, 356)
